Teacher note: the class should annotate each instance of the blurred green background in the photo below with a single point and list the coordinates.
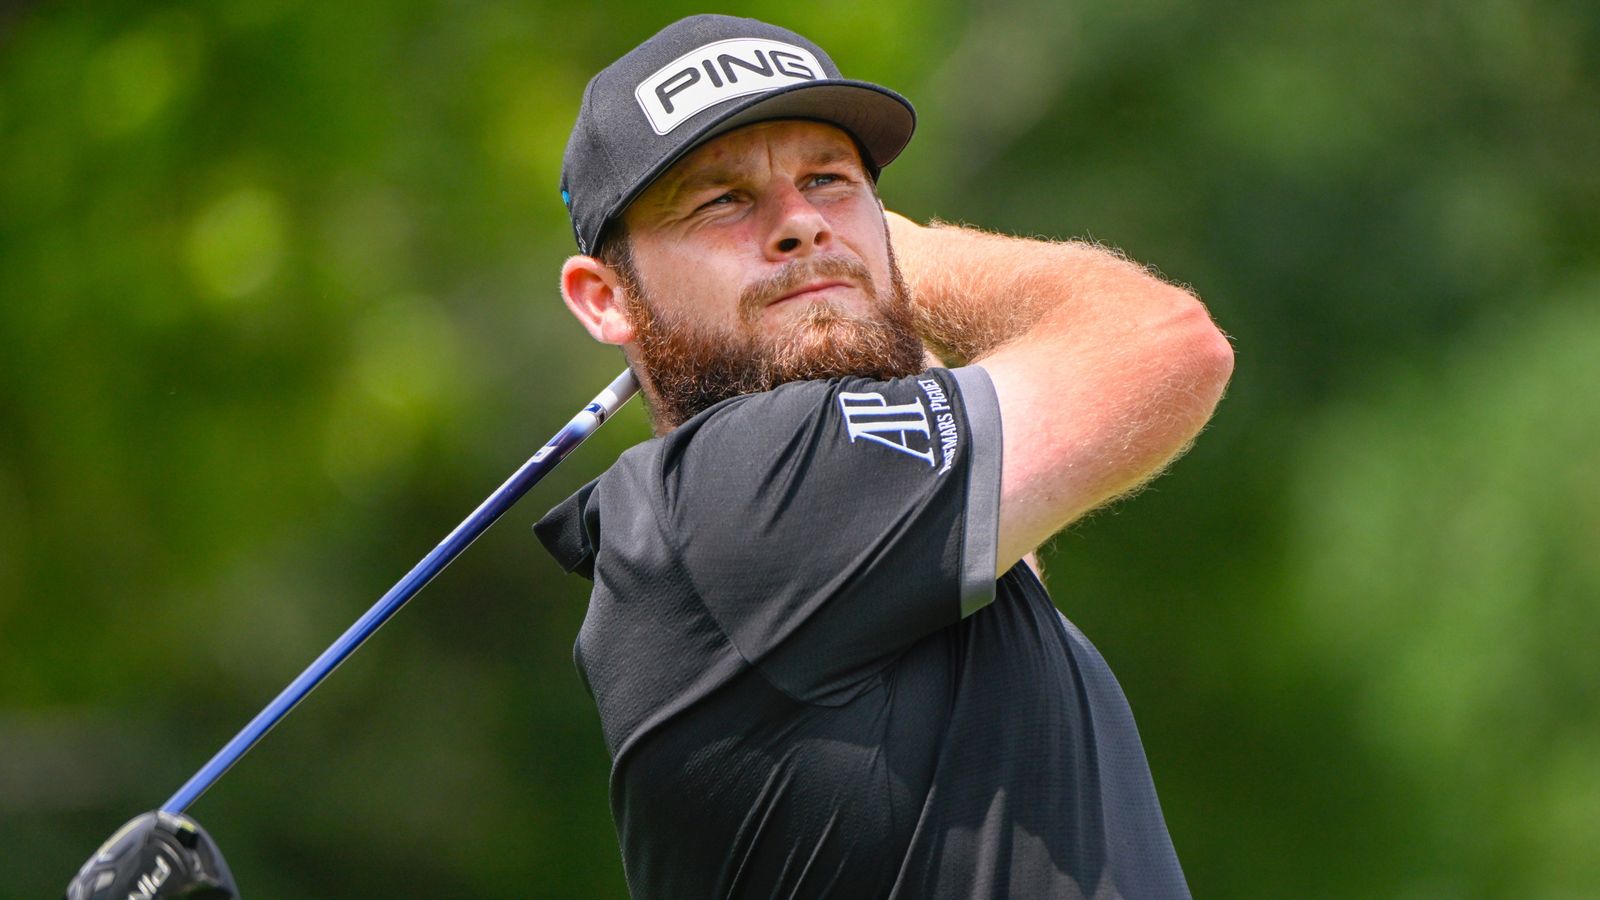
(278, 307)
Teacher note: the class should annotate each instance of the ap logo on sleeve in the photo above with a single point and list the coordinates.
(898, 426)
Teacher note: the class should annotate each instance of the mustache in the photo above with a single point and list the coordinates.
(796, 274)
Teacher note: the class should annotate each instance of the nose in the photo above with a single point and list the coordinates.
(797, 227)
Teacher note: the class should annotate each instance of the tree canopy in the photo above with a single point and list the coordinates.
(278, 307)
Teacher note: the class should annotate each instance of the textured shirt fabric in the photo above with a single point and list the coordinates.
(810, 682)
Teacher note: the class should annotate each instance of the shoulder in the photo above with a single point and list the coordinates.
(796, 397)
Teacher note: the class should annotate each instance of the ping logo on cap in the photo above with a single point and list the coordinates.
(718, 72)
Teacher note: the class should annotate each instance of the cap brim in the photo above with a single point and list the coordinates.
(879, 119)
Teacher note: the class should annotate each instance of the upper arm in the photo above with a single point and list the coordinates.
(1096, 397)
(827, 525)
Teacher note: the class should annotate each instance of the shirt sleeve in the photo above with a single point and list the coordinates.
(828, 525)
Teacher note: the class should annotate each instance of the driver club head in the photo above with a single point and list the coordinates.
(155, 855)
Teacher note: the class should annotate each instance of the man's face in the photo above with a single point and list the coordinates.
(760, 258)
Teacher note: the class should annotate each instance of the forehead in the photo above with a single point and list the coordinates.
(743, 151)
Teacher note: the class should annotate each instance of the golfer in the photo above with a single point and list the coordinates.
(824, 662)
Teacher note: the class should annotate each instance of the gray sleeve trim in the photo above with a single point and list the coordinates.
(982, 541)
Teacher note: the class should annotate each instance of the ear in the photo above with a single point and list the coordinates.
(593, 292)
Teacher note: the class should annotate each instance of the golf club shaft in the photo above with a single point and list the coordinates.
(540, 464)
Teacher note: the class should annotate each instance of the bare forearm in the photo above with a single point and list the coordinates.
(1104, 372)
(976, 291)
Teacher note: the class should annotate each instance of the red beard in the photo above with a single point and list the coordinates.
(687, 368)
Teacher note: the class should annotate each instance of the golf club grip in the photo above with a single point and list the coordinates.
(606, 403)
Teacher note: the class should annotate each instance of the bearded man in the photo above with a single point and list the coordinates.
(823, 660)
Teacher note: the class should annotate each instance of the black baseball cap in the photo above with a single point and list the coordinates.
(698, 78)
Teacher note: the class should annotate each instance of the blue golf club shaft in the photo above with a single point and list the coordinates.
(582, 425)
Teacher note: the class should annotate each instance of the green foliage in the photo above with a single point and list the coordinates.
(277, 298)
(1443, 550)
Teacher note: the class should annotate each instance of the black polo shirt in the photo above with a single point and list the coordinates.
(810, 682)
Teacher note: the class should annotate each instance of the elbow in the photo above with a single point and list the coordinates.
(1205, 357)
(1212, 350)
(1197, 358)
